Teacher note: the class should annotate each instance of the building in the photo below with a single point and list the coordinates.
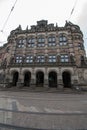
(44, 55)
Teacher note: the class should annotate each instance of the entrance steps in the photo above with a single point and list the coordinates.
(42, 89)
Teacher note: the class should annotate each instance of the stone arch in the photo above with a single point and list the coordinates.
(26, 70)
(15, 76)
(66, 77)
(39, 78)
(52, 79)
(14, 70)
(56, 70)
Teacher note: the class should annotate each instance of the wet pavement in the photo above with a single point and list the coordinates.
(43, 110)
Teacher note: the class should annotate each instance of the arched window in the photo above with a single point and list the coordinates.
(31, 42)
(62, 40)
(41, 42)
(20, 43)
(51, 41)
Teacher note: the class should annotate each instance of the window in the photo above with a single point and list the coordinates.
(51, 44)
(64, 58)
(52, 58)
(51, 41)
(80, 46)
(18, 59)
(40, 58)
(31, 42)
(62, 40)
(21, 42)
(29, 59)
(41, 42)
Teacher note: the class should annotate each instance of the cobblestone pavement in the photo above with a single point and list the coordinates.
(44, 110)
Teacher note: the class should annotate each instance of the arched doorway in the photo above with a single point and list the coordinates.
(39, 79)
(66, 79)
(15, 78)
(52, 79)
(27, 79)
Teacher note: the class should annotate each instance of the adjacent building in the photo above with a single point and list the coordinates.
(45, 55)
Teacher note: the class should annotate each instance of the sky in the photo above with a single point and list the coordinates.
(28, 12)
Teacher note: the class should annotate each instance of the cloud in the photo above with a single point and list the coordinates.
(82, 19)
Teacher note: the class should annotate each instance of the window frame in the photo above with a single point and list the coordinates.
(64, 58)
(40, 58)
(52, 58)
(29, 59)
(62, 40)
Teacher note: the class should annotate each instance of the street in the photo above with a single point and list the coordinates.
(44, 110)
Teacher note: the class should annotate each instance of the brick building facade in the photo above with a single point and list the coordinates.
(44, 55)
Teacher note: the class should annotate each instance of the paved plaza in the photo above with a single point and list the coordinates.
(44, 110)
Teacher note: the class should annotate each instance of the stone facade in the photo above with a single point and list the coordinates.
(44, 55)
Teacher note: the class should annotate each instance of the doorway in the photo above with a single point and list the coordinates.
(15, 78)
(66, 79)
(39, 79)
(52, 79)
(27, 79)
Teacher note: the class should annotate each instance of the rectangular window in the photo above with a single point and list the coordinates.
(64, 58)
(40, 44)
(31, 45)
(51, 44)
(19, 59)
(63, 43)
(40, 58)
(52, 58)
(29, 59)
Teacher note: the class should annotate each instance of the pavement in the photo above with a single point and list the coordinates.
(42, 110)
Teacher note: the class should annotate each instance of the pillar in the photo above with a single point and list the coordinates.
(33, 79)
(60, 82)
(20, 79)
(46, 82)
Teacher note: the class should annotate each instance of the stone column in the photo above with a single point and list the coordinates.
(46, 83)
(75, 83)
(33, 79)
(60, 82)
(75, 80)
(20, 79)
(7, 78)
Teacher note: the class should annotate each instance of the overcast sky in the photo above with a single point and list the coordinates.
(28, 12)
